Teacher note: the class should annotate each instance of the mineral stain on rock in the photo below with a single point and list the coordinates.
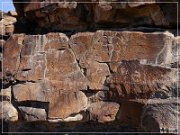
(92, 66)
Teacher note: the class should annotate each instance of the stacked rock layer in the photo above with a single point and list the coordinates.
(93, 74)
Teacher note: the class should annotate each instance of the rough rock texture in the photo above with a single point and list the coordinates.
(161, 115)
(135, 80)
(103, 111)
(90, 67)
(33, 114)
(58, 15)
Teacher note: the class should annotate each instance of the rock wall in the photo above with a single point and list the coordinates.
(92, 66)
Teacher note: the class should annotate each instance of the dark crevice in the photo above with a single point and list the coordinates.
(84, 72)
(34, 104)
(108, 64)
(26, 69)
(62, 49)
(123, 89)
(78, 63)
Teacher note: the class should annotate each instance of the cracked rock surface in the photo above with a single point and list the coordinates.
(99, 66)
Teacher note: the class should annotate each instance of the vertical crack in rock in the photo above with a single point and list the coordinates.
(78, 62)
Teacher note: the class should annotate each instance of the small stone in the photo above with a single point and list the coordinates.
(33, 114)
(64, 105)
(28, 91)
(103, 111)
(134, 80)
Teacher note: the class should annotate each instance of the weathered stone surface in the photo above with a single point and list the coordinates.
(135, 80)
(112, 68)
(5, 94)
(103, 111)
(150, 48)
(8, 112)
(161, 116)
(45, 57)
(96, 74)
(66, 104)
(98, 96)
(33, 114)
(136, 3)
(62, 104)
(78, 15)
(29, 92)
(49, 56)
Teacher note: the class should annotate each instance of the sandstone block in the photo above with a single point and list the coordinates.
(103, 111)
(62, 104)
(135, 80)
(161, 116)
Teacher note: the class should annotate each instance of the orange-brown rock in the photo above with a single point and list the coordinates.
(45, 57)
(29, 92)
(113, 47)
(103, 111)
(135, 80)
(66, 104)
(161, 116)
(62, 104)
(94, 65)
(11, 62)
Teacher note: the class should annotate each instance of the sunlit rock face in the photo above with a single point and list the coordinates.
(71, 66)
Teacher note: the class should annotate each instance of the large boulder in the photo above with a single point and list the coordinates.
(134, 80)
